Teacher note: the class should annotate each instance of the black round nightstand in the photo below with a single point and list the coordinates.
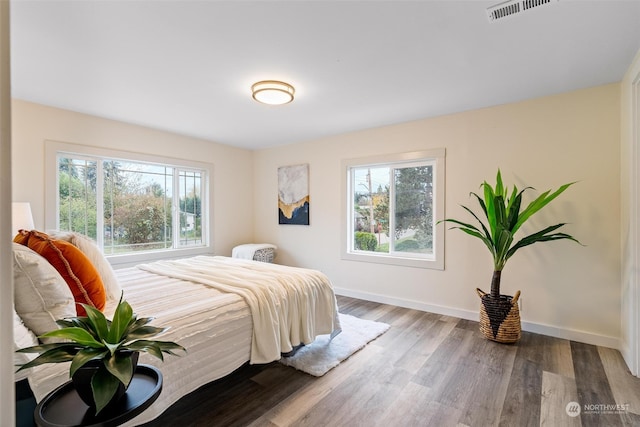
(63, 406)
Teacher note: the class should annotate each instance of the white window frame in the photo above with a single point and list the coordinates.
(434, 261)
(55, 148)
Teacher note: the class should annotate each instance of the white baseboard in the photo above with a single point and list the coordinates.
(416, 305)
(538, 328)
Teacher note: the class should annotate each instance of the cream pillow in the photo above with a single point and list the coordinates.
(41, 295)
(97, 258)
(22, 337)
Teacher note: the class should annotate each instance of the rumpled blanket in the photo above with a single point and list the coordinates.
(289, 305)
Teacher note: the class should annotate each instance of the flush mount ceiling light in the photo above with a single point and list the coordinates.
(272, 92)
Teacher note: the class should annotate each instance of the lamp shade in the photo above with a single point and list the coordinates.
(21, 217)
(272, 92)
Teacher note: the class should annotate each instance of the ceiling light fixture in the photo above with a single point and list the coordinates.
(272, 92)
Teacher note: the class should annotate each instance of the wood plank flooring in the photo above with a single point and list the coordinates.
(427, 370)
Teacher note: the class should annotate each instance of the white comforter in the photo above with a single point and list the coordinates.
(289, 306)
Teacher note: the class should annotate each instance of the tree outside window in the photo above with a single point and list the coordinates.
(393, 203)
(410, 216)
(132, 203)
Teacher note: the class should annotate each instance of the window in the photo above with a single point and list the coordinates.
(128, 203)
(392, 206)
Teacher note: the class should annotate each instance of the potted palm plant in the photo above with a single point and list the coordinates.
(103, 353)
(503, 216)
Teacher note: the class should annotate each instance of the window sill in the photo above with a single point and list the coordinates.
(133, 259)
(430, 263)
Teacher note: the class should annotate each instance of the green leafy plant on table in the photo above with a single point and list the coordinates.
(502, 216)
(108, 343)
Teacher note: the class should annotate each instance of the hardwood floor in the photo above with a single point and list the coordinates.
(427, 370)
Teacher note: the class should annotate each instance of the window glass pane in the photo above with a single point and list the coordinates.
(130, 205)
(137, 207)
(371, 209)
(190, 189)
(413, 210)
(392, 204)
(77, 195)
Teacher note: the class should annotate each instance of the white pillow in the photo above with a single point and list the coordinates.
(41, 296)
(91, 250)
(22, 337)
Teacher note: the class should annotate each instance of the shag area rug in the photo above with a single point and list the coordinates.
(324, 354)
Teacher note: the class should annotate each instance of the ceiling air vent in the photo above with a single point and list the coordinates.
(514, 7)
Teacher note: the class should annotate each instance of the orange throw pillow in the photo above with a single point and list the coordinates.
(75, 268)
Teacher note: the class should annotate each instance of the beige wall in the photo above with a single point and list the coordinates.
(568, 290)
(232, 167)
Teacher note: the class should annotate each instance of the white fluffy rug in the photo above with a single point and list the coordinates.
(323, 354)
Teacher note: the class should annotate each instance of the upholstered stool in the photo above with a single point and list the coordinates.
(263, 252)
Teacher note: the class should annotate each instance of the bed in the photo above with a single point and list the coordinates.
(212, 310)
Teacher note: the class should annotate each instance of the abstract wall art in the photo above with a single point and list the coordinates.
(293, 194)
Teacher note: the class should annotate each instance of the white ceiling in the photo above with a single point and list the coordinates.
(187, 66)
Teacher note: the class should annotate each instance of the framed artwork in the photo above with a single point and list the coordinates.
(293, 194)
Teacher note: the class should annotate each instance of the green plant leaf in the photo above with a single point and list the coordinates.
(473, 231)
(511, 200)
(484, 236)
(78, 335)
(84, 356)
(513, 208)
(138, 323)
(70, 322)
(489, 200)
(500, 191)
(541, 236)
(481, 203)
(155, 348)
(77, 322)
(104, 387)
(540, 202)
(150, 347)
(112, 347)
(169, 346)
(486, 232)
(41, 348)
(503, 240)
(121, 367)
(97, 321)
(500, 214)
(144, 332)
(122, 318)
(54, 355)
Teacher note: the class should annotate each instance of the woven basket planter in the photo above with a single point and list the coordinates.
(500, 318)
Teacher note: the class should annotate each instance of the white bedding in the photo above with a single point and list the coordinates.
(216, 327)
(289, 306)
